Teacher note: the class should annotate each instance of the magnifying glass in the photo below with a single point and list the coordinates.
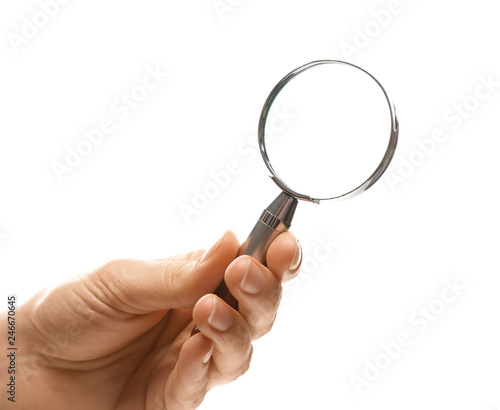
(327, 132)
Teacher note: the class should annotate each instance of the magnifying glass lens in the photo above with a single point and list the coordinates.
(327, 130)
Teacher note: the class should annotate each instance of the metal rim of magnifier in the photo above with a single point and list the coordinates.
(386, 159)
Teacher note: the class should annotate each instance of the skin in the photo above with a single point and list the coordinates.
(119, 337)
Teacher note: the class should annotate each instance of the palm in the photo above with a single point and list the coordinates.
(130, 362)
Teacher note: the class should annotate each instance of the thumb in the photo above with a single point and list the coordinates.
(139, 287)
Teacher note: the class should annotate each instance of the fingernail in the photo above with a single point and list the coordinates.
(253, 280)
(297, 257)
(209, 252)
(209, 354)
(221, 318)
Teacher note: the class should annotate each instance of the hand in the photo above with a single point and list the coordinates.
(119, 337)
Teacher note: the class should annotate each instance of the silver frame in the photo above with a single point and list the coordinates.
(386, 159)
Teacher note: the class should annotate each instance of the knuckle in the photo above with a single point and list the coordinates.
(170, 277)
(198, 398)
(173, 277)
(263, 328)
(108, 285)
(114, 266)
(262, 318)
(238, 339)
(245, 366)
(228, 372)
(111, 275)
(185, 403)
(192, 401)
(270, 304)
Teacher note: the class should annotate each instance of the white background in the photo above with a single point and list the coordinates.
(395, 246)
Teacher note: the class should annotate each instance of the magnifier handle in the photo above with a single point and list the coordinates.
(275, 220)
